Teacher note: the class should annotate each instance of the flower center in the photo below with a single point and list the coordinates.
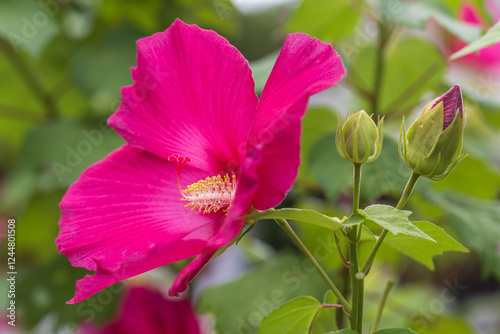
(209, 195)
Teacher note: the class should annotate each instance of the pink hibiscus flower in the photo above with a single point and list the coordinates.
(202, 149)
(146, 311)
(485, 59)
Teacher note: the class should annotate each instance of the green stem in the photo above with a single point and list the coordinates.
(380, 309)
(360, 282)
(379, 69)
(20, 114)
(398, 104)
(357, 185)
(288, 229)
(345, 291)
(410, 185)
(402, 201)
(353, 270)
(357, 283)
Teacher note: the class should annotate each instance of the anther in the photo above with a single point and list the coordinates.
(209, 195)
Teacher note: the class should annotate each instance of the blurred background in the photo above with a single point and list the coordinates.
(62, 63)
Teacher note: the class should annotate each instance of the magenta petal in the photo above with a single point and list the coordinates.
(280, 164)
(147, 312)
(304, 67)
(188, 273)
(452, 101)
(487, 58)
(193, 95)
(470, 15)
(124, 217)
(116, 272)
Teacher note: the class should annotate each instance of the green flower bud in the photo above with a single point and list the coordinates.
(432, 147)
(359, 140)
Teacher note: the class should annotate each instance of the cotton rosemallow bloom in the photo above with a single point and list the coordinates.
(486, 59)
(146, 311)
(432, 147)
(201, 150)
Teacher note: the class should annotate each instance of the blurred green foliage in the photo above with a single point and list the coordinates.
(62, 64)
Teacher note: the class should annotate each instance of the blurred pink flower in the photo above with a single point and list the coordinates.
(493, 6)
(5, 328)
(484, 59)
(145, 311)
(193, 110)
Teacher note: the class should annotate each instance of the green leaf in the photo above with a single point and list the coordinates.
(324, 322)
(423, 250)
(345, 331)
(477, 222)
(473, 177)
(242, 304)
(354, 219)
(395, 331)
(303, 215)
(329, 298)
(492, 36)
(335, 21)
(293, 317)
(417, 14)
(394, 220)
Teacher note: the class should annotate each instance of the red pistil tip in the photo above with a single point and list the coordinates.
(179, 160)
